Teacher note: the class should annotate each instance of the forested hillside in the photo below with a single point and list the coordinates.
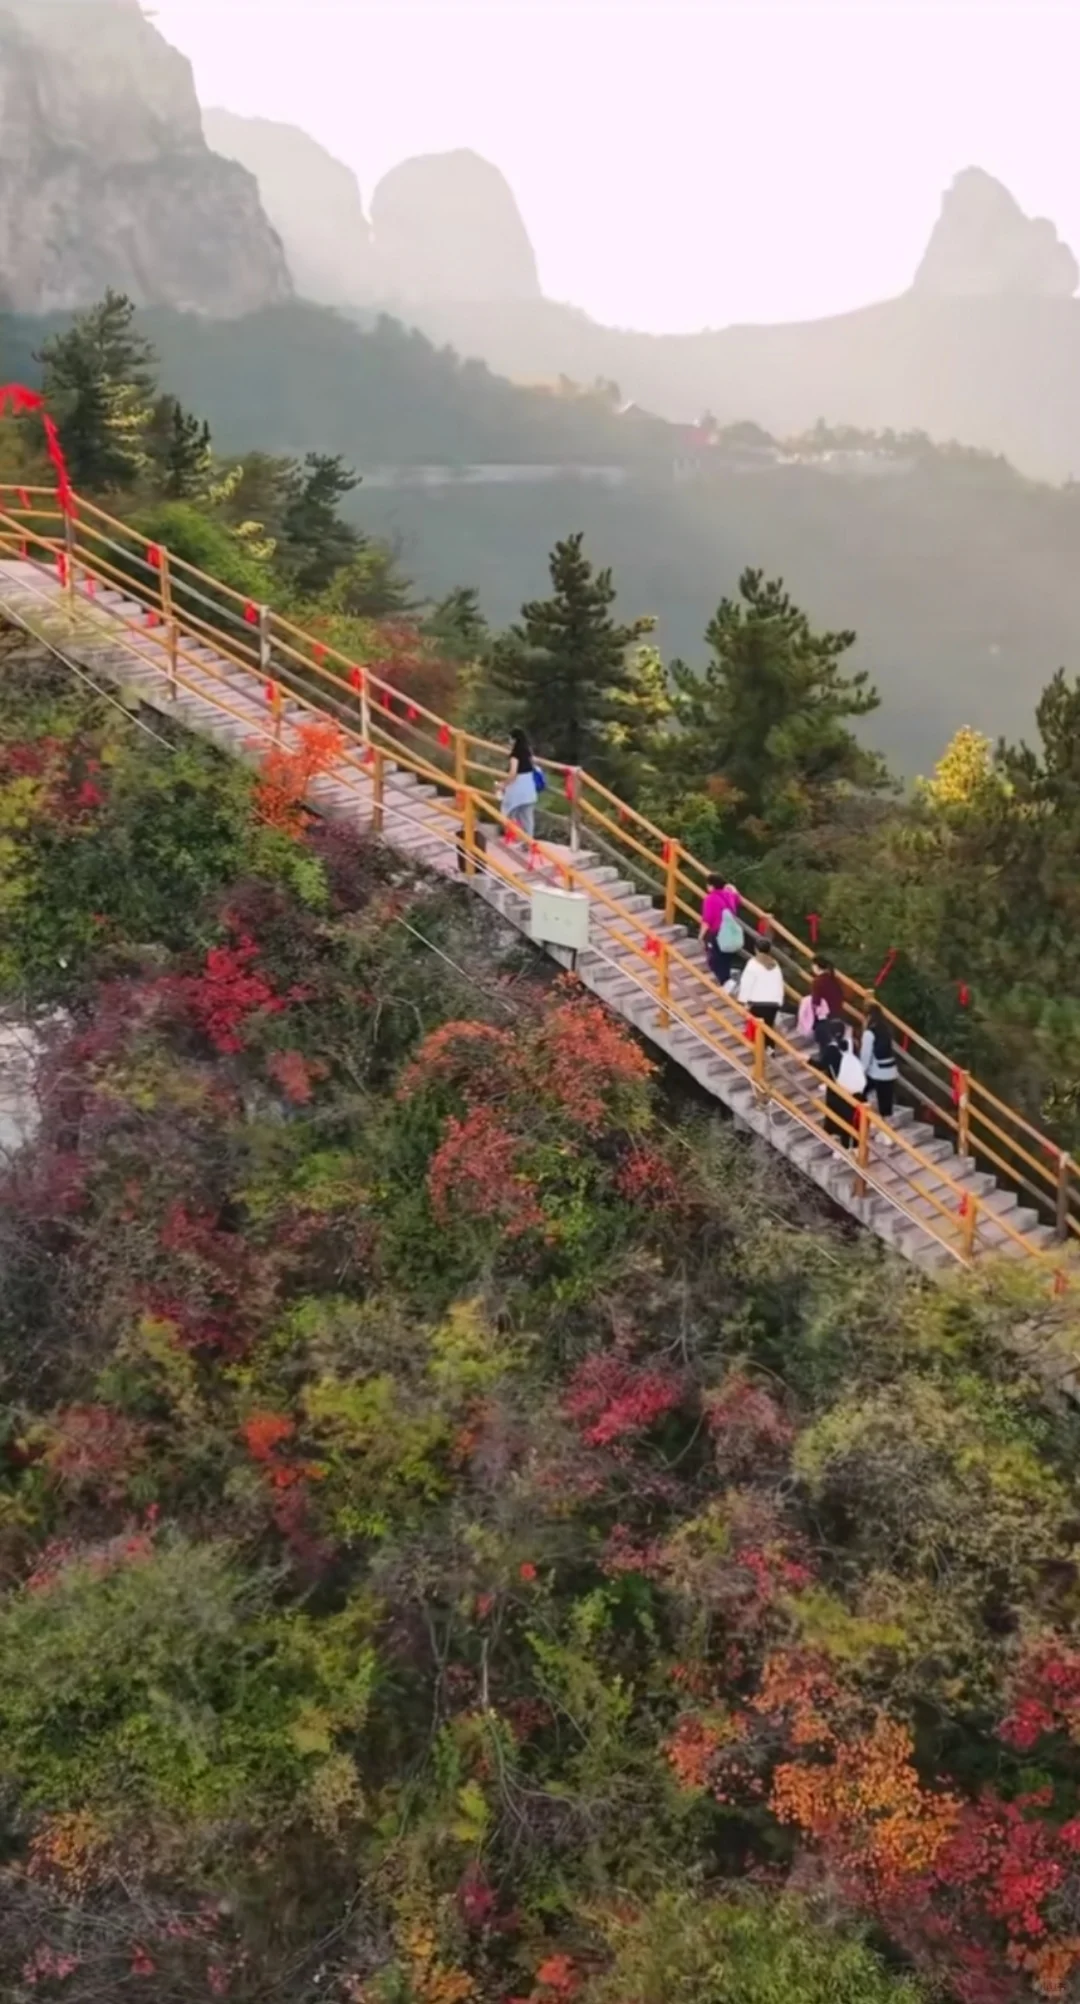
(470, 1532)
(994, 612)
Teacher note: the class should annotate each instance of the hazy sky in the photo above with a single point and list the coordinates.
(680, 162)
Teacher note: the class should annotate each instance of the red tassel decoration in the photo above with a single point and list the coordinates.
(445, 736)
(62, 566)
(750, 1029)
(965, 1205)
(957, 1084)
(251, 613)
(318, 654)
(568, 786)
(386, 699)
(356, 680)
(813, 921)
(271, 692)
(963, 995)
(412, 714)
(652, 947)
(153, 556)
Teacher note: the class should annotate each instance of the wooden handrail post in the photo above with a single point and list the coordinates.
(167, 614)
(365, 708)
(963, 1114)
(663, 971)
(671, 889)
(861, 1117)
(69, 568)
(265, 639)
(378, 791)
(575, 807)
(970, 1226)
(760, 1075)
(470, 833)
(1062, 1197)
(460, 775)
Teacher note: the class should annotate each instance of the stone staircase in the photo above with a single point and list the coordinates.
(892, 1194)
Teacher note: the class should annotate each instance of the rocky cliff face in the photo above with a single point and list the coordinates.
(444, 226)
(447, 226)
(312, 200)
(105, 177)
(984, 247)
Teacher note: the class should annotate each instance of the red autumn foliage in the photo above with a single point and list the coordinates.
(647, 1179)
(228, 993)
(1046, 1695)
(474, 1173)
(750, 1431)
(296, 1075)
(611, 1400)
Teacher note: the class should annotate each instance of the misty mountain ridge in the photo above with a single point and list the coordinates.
(984, 346)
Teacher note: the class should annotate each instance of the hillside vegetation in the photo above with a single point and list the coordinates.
(995, 612)
(753, 749)
(470, 1531)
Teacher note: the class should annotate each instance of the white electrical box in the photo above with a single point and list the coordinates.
(560, 918)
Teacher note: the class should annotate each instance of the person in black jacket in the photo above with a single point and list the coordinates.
(840, 1115)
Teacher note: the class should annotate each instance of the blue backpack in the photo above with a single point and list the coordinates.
(541, 782)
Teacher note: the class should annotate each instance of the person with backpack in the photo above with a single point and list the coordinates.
(522, 786)
(878, 1056)
(721, 931)
(842, 1070)
(827, 999)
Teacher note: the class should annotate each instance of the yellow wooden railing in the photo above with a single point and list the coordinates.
(197, 633)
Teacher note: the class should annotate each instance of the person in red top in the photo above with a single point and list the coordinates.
(827, 996)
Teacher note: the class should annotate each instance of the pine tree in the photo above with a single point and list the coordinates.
(315, 542)
(766, 724)
(574, 679)
(99, 378)
(180, 443)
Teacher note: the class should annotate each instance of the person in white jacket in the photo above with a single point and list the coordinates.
(761, 989)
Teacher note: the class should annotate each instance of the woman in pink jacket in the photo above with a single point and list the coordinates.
(721, 931)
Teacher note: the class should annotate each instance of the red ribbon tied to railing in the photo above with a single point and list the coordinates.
(318, 653)
(965, 1205)
(386, 699)
(813, 921)
(412, 714)
(957, 1085)
(271, 692)
(568, 786)
(153, 556)
(887, 966)
(62, 566)
(652, 947)
(356, 680)
(445, 736)
(24, 497)
(963, 994)
(22, 402)
(750, 1029)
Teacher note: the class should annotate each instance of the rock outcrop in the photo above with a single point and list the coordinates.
(312, 200)
(105, 177)
(447, 226)
(984, 247)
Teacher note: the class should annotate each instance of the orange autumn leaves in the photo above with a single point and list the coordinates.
(517, 1106)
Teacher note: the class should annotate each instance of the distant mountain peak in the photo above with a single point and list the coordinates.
(447, 226)
(984, 247)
